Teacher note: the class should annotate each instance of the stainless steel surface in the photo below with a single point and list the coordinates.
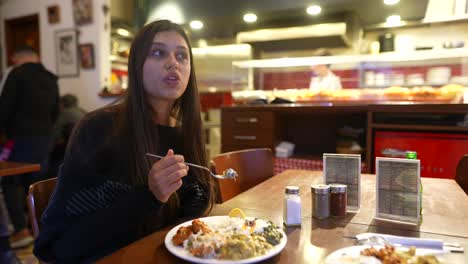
(228, 174)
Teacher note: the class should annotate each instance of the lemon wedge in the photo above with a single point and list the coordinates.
(236, 212)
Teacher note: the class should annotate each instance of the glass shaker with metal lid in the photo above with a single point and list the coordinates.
(338, 200)
(292, 206)
(320, 201)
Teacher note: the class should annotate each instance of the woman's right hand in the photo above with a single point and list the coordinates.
(165, 176)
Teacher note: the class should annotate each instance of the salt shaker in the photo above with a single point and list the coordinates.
(320, 201)
(292, 206)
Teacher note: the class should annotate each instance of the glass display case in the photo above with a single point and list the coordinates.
(439, 75)
(121, 39)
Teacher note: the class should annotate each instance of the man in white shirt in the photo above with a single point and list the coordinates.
(324, 78)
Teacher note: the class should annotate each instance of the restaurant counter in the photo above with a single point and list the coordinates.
(313, 128)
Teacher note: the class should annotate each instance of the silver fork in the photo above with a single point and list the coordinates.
(375, 240)
(229, 174)
(380, 240)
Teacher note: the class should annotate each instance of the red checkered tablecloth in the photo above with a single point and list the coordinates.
(281, 164)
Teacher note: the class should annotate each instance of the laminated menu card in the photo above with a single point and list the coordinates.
(398, 193)
(344, 169)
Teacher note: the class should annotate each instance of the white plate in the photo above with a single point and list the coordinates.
(183, 254)
(352, 254)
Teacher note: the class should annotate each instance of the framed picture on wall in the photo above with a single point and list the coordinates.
(87, 55)
(53, 14)
(66, 52)
(82, 12)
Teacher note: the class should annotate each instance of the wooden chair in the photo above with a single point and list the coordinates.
(461, 176)
(38, 198)
(252, 165)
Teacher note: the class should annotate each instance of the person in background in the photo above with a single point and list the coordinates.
(29, 106)
(70, 114)
(324, 78)
(17, 58)
(109, 193)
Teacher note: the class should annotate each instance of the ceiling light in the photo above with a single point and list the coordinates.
(250, 17)
(313, 10)
(196, 24)
(391, 2)
(123, 32)
(393, 20)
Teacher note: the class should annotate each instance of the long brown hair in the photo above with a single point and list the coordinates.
(136, 123)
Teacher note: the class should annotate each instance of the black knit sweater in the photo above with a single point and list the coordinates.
(94, 210)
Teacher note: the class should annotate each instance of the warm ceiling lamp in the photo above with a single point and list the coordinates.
(391, 2)
(123, 32)
(196, 24)
(314, 10)
(250, 17)
(393, 20)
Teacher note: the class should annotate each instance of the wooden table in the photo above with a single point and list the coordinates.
(8, 168)
(445, 217)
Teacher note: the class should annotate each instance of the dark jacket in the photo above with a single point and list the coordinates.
(29, 104)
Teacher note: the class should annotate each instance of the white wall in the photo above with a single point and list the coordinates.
(89, 82)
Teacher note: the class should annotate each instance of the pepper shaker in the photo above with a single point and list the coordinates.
(338, 200)
(320, 201)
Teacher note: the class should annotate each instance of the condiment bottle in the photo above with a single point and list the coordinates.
(414, 155)
(338, 200)
(320, 201)
(292, 206)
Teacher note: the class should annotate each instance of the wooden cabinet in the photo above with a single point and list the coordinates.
(312, 128)
(240, 130)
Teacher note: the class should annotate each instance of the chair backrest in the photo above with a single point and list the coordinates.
(253, 166)
(38, 198)
(461, 176)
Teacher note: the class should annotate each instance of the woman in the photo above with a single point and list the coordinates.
(108, 192)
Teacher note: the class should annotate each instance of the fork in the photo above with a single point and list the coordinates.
(375, 240)
(227, 174)
(380, 240)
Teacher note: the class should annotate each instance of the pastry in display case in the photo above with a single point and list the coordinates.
(435, 76)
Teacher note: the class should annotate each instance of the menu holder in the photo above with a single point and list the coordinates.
(344, 169)
(398, 193)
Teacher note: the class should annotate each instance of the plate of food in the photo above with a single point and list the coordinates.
(225, 239)
(368, 254)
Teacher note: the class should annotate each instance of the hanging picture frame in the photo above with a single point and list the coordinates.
(82, 12)
(53, 14)
(66, 52)
(87, 55)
